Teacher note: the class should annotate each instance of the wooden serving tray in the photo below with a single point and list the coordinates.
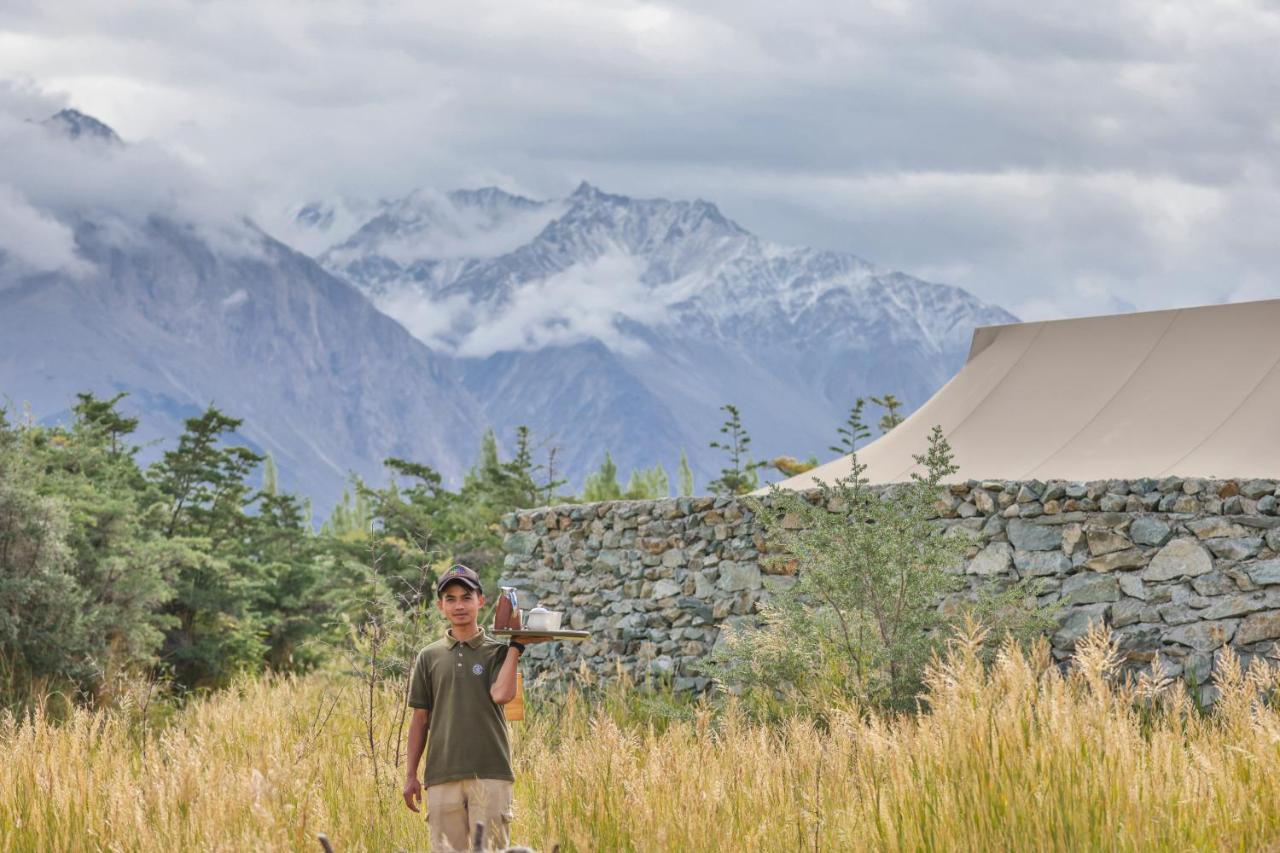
(517, 633)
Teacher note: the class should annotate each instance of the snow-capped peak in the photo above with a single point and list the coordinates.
(451, 265)
(77, 125)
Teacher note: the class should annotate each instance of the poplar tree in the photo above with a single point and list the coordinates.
(684, 476)
(602, 484)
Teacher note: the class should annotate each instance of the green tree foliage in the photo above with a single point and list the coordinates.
(350, 519)
(738, 476)
(648, 483)
(602, 484)
(182, 571)
(643, 484)
(421, 524)
(204, 484)
(892, 412)
(684, 476)
(863, 618)
(853, 431)
(42, 632)
(79, 582)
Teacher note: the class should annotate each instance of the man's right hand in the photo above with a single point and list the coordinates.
(412, 793)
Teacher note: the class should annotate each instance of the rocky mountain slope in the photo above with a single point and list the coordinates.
(183, 309)
(608, 322)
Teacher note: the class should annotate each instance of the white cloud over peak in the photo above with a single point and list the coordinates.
(49, 182)
(584, 302)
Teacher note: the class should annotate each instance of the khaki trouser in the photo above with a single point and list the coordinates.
(454, 809)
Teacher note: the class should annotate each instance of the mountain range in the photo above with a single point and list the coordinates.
(609, 322)
(601, 321)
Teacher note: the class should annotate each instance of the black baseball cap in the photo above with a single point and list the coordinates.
(460, 574)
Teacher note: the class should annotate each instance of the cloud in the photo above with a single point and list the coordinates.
(584, 302)
(1054, 154)
(33, 241)
(436, 226)
(49, 183)
(430, 321)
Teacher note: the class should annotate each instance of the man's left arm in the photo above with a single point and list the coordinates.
(503, 689)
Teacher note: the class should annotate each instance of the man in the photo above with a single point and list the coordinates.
(460, 683)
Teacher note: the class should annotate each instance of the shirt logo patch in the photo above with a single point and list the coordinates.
(478, 669)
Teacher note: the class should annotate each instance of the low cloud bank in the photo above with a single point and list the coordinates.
(50, 183)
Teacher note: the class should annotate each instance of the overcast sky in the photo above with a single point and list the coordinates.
(1058, 158)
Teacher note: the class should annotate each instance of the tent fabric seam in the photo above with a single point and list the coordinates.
(978, 405)
(1227, 419)
(1114, 395)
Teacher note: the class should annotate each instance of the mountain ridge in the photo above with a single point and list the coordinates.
(687, 304)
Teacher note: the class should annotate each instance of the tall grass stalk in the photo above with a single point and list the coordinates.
(1017, 756)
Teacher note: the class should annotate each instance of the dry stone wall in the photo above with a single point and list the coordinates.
(1183, 567)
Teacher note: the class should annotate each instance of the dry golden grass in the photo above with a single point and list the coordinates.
(1015, 758)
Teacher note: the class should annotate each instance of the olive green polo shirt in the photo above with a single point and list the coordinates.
(467, 731)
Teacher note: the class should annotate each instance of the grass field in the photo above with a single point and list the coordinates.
(1015, 758)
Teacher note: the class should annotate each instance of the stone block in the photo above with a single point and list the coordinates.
(1258, 488)
(1126, 612)
(1232, 605)
(1216, 527)
(1090, 589)
(1030, 491)
(1235, 549)
(996, 558)
(1041, 563)
(522, 543)
(1113, 503)
(1258, 627)
(1105, 541)
(1133, 558)
(1203, 636)
(1139, 638)
(1077, 622)
(1132, 586)
(1214, 583)
(1072, 535)
(1030, 536)
(665, 588)
(1145, 530)
(1180, 558)
(736, 577)
(1264, 573)
(1177, 613)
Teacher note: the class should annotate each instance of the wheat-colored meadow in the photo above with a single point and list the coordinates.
(1017, 757)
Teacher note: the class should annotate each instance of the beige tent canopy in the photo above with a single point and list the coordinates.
(1192, 392)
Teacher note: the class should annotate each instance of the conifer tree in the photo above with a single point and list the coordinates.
(853, 431)
(206, 492)
(892, 417)
(739, 474)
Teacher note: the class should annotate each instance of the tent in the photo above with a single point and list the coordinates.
(1192, 392)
